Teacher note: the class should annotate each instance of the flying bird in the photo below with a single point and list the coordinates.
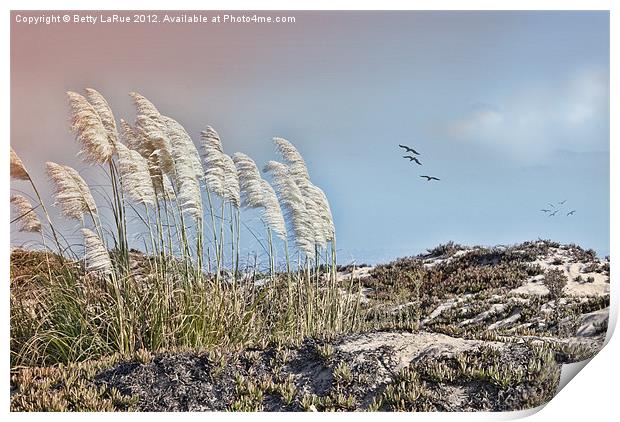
(562, 202)
(429, 178)
(551, 205)
(544, 210)
(571, 212)
(553, 213)
(409, 149)
(412, 159)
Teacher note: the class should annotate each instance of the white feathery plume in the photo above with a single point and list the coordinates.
(144, 106)
(189, 197)
(258, 193)
(184, 151)
(136, 141)
(96, 255)
(319, 197)
(151, 135)
(213, 159)
(18, 170)
(89, 130)
(135, 175)
(170, 151)
(315, 199)
(293, 158)
(104, 111)
(27, 218)
(249, 181)
(188, 170)
(167, 188)
(131, 137)
(219, 169)
(272, 211)
(71, 191)
(314, 214)
(293, 203)
(231, 181)
(155, 145)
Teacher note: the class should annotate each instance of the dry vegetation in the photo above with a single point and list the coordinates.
(258, 362)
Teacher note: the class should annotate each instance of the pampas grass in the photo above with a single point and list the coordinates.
(154, 150)
(18, 170)
(258, 193)
(184, 152)
(104, 111)
(166, 188)
(188, 169)
(27, 218)
(96, 257)
(166, 297)
(294, 205)
(189, 197)
(252, 195)
(144, 106)
(134, 171)
(221, 178)
(293, 158)
(72, 194)
(273, 213)
(213, 158)
(320, 199)
(316, 202)
(154, 142)
(231, 182)
(89, 130)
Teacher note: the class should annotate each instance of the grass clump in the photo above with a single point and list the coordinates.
(188, 288)
(407, 393)
(555, 280)
(67, 388)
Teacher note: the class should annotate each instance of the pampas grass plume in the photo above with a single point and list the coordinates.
(27, 218)
(18, 170)
(293, 202)
(144, 106)
(104, 111)
(256, 192)
(135, 175)
(213, 159)
(231, 181)
(71, 191)
(96, 255)
(89, 130)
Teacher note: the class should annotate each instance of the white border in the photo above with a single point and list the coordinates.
(590, 396)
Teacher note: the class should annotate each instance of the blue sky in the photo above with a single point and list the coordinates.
(510, 110)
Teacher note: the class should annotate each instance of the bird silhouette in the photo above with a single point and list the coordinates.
(409, 149)
(562, 202)
(429, 178)
(553, 213)
(551, 205)
(412, 159)
(571, 212)
(544, 210)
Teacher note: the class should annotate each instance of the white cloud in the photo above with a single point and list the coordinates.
(588, 92)
(532, 123)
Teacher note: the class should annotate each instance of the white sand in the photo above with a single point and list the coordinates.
(406, 347)
(535, 286)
